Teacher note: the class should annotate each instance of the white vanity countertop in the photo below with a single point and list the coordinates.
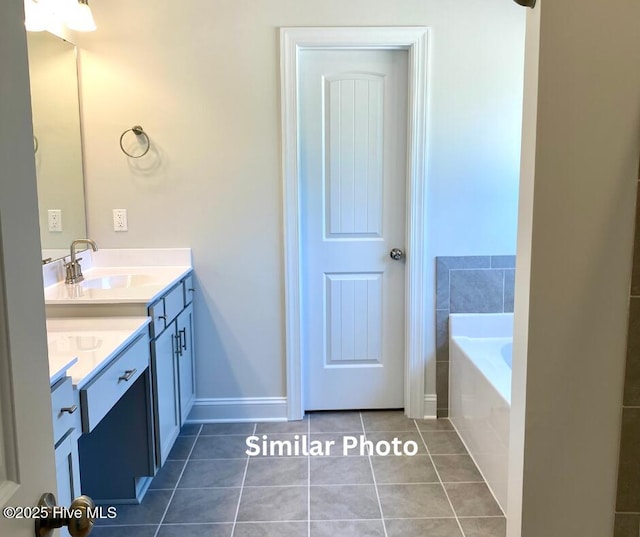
(58, 365)
(118, 276)
(93, 342)
(117, 285)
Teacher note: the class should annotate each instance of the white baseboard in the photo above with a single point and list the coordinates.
(248, 409)
(220, 410)
(430, 406)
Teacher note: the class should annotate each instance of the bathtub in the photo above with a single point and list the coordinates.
(480, 391)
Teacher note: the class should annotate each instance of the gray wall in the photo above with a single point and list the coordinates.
(628, 498)
(467, 284)
(581, 141)
(202, 78)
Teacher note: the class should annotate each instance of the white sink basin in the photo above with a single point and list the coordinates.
(116, 285)
(70, 342)
(120, 281)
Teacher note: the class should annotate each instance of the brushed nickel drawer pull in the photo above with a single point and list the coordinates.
(183, 332)
(69, 409)
(128, 374)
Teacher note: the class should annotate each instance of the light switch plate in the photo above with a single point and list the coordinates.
(120, 220)
(55, 220)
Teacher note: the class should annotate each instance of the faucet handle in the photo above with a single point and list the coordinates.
(73, 272)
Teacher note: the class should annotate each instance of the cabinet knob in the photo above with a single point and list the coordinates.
(79, 523)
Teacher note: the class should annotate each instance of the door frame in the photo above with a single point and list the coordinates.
(415, 41)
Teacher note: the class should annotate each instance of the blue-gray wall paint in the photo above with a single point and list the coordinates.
(467, 284)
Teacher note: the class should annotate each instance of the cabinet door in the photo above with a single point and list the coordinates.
(186, 359)
(165, 394)
(67, 472)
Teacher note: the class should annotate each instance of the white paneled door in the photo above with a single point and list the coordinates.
(353, 158)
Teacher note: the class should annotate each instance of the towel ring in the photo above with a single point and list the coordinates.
(138, 131)
(36, 145)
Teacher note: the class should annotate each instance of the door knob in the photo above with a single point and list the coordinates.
(79, 518)
(396, 254)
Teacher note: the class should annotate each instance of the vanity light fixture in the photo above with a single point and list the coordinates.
(80, 18)
(44, 14)
(36, 18)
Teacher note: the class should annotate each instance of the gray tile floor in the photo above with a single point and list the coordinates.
(210, 488)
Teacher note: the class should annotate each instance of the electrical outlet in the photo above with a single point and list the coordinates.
(120, 220)
(55, 220)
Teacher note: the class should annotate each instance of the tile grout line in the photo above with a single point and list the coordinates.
(375, 481)
(484, 479)
(123, 526)
(449, 290)
(469, 269)
(412, 483)
(244, 478)
(175, 488)
(440, 479)
(315, 433)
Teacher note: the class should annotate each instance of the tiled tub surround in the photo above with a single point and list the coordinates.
(210, 487)
(480, 391)
(468, 284)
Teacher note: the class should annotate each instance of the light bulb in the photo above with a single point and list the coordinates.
(35, 16)
(80, 18)
(63, 9)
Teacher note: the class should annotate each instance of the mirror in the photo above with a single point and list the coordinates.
(57, 141)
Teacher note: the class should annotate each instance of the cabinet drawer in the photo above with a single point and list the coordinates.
(156, 312)
(63, 408)
(187, 287)
(105, 390)
(173, 303)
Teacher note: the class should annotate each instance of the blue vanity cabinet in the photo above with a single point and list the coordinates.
(67, 473)
(116, 451)
(66, 429)
(186, 357)
(172, 360)
(167, 409)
